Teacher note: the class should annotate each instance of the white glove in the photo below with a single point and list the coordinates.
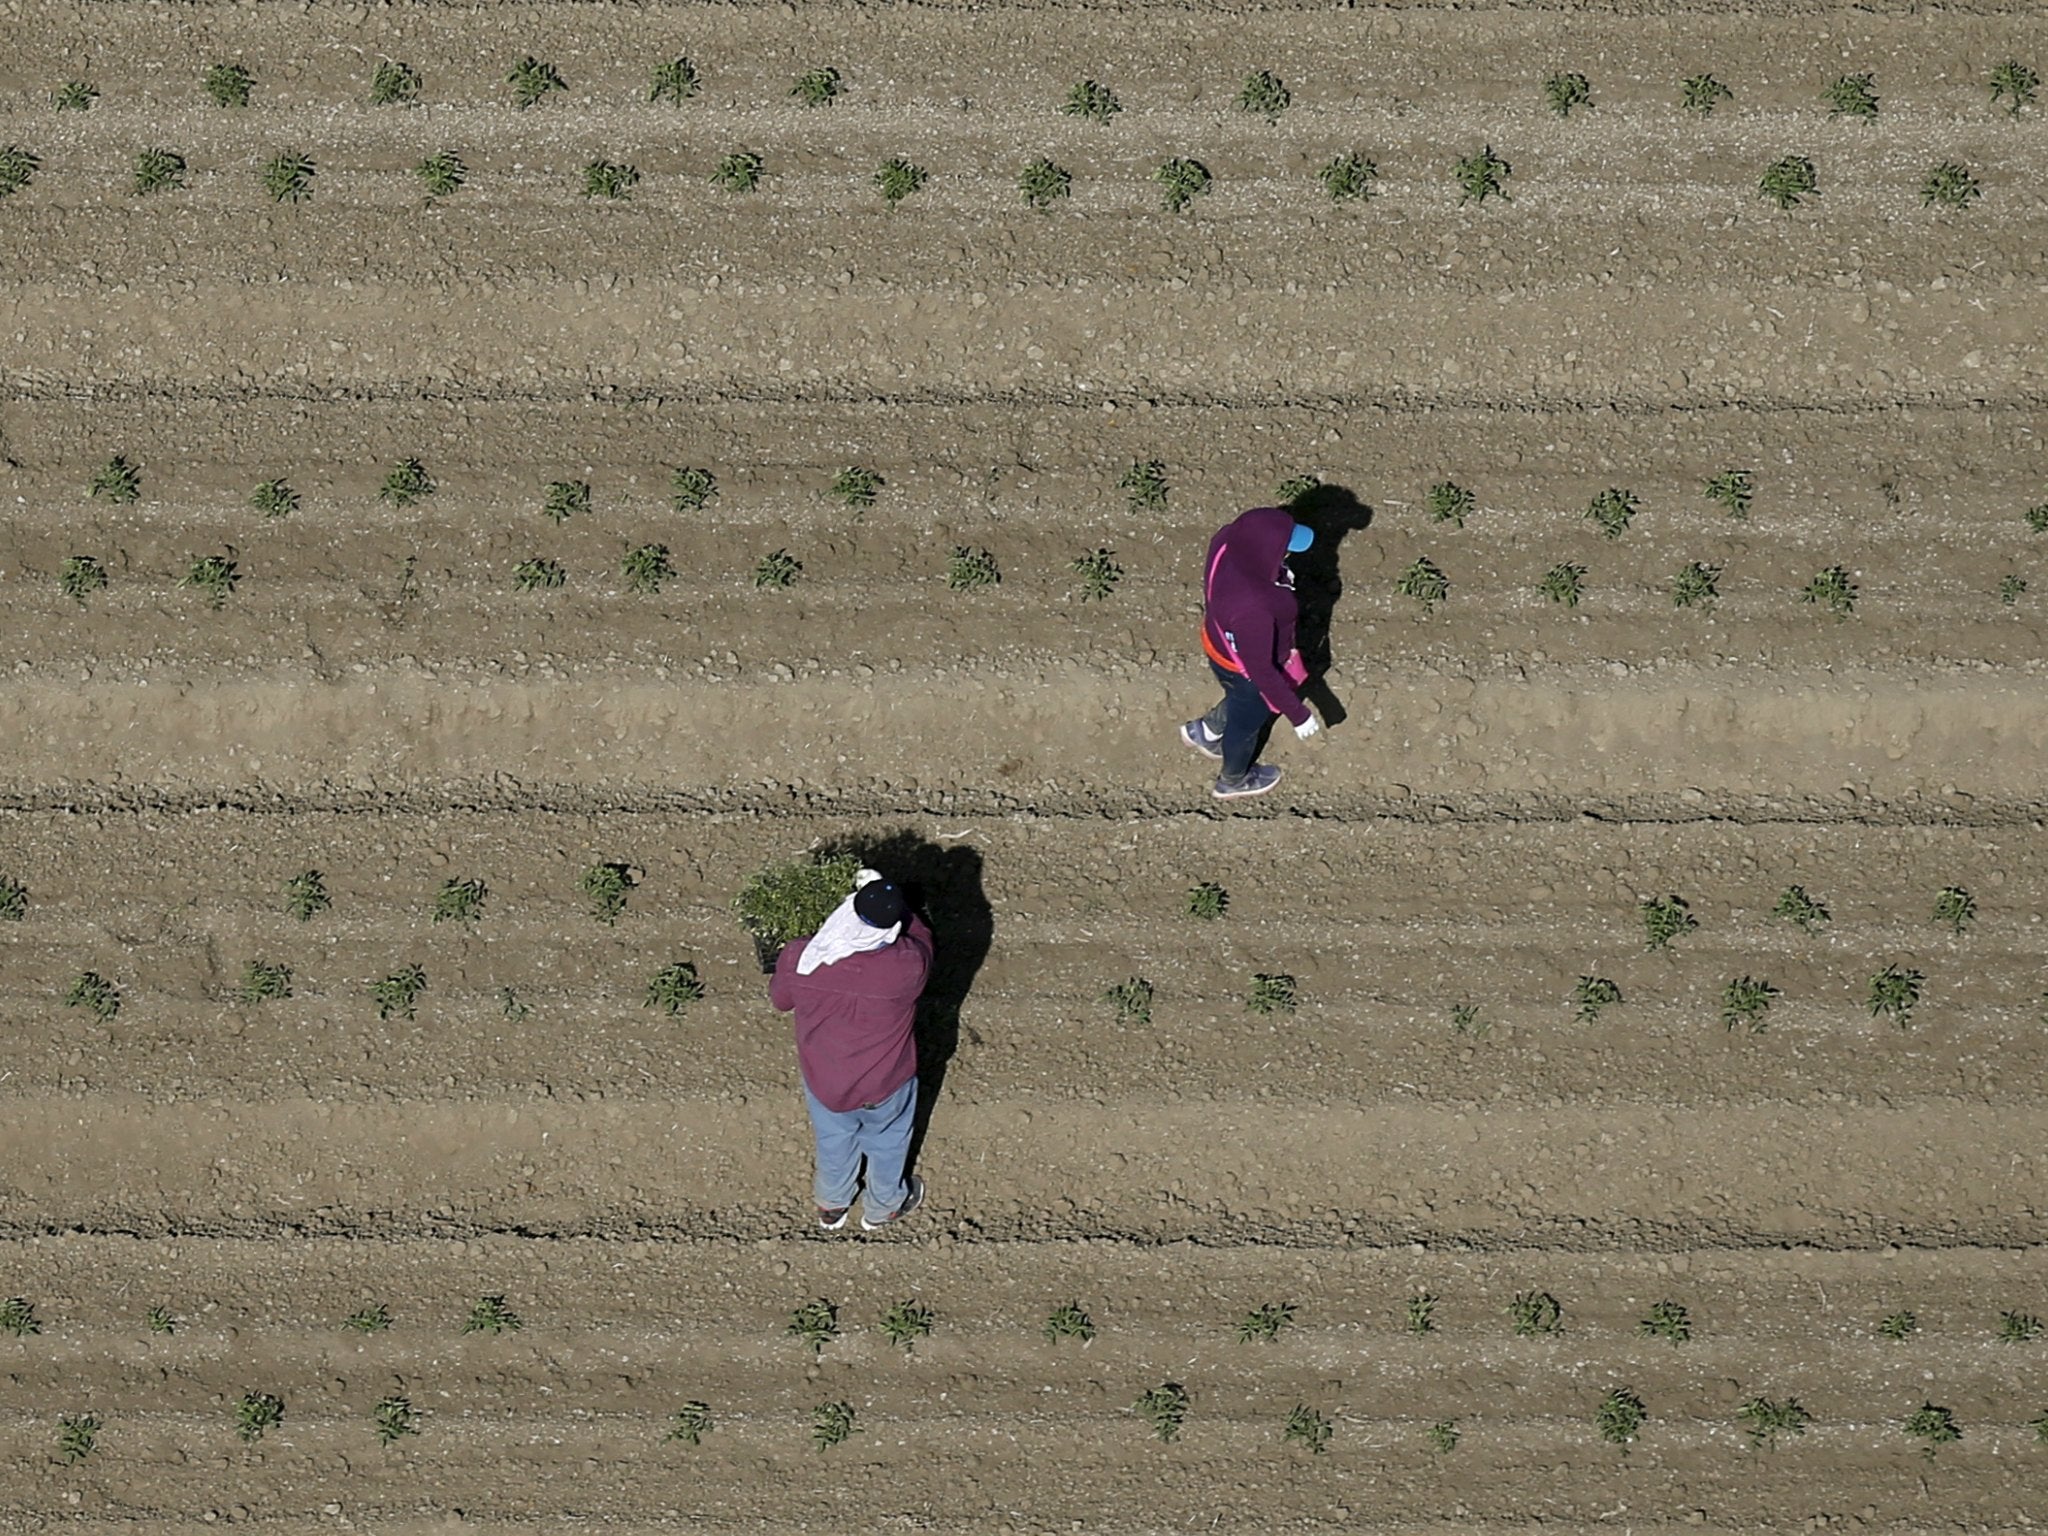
(1307, 728)
(865, 876)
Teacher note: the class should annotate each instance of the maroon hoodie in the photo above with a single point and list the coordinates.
(853, 1017)
(1248, 607)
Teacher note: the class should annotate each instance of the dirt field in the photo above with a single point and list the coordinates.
(1505, 781)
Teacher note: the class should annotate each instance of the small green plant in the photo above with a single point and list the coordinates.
(398, 993)
(491, 1314)
(2037, 518)
(816, 87)
(1955, 908)
(18, 168)
(287, 177)
(215, 576)
(372, 1317)
(256, 1413)
(1563, 92)
(1851, 96)
(459, 901)
(1896, 1326)
(1305, 1427)
(1296, 491)
(1349, 178)
(95, 994)
(262, 981)
(1069, 1321)
(2039, 1425)
(2015, 84)
(157, 170)
(512, 1006)
(1206, 901)
(1745, 1001)
(1482, 176)
(1449, 503)
(2011, 586)
(1833, 590)
(1533, 1314)
(117, 481)
(832, 1424)
(1424, 582)
(1703, 93)
(1442, 1436)
(674, 82)
(691, 489)
(814, 1324)
(406, 482)
(1796, 906)
(1099, 574)
(690, 1423)
(1143, 485)
(1422, 1312)
(1044, 183)
(18, 1317)
(1563, 583)
(1695, 584)
(1592, 994)
(394, 1418)
(1731, 489)
(393, 84)
(531, 80)
(1091, 100)
(13, 900)
(1272, 993)
(777, 570)
(1788, 182)
(1949, 185)
(228, 85)
(1465, 1020)
(77, 1436)
(74, 96)
(1665, 918)
(1894, 993)
(739, 171)
(160, 1320)
(1265, 94)
(1165, 1408)
(791, 899)
(1618, 1417)
(1611, 510)
(609, 178)
(1132, 1000)
(1263, 1323)
(673, 988)
(1181, 181)
(442, 173)
(907, 1322)
(1666, 1320)
(896, 178)
(80, 576)
(1766, 1418)
(856, 487)
(605, 886)
(274, 499)
(306, 894)
(646, 567)
(1933, 1427)
(967, 569)
(564, 499)
(536, 574)
(2018, 1327)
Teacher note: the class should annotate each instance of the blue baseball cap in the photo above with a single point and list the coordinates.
(1300, 539)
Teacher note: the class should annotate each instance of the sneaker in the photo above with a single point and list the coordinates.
(1196, 734)
(833, 1217)
(910, 1203)
(1260, 778)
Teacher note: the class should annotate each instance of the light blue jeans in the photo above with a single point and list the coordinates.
(880, 1134)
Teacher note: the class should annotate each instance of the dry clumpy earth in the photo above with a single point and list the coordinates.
(1444, 875)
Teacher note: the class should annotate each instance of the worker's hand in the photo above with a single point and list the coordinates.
(865, 876)
(1307, 728)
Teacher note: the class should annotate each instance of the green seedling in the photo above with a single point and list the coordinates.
(777, 570)
(374, 1317)
(675, 83)
(1349, 178)
(1563, 583)
(256, 1413)
(1207, 901)
(459, 901)
(1263, 1323)
(690, 1423)
(673, 988)
(564, 499)
(1165, 1408)
(1264, 94)
(74, 96)
(274, 499)
(832, 1424)
(1666, 1320)
(1297, 490)
(856, 487)
(117, 481)
(792, 898)
(1069, 1321)
(2011, 586)
(406, 482)
(160, 1320)
(77, 1437)
(1788, 182)
(739, 171)
(513, 1008)
(13, 900)
(398, 993)
(1611, 511)
(1181, 181)
(1833, 590)
(1424, 582)
(2015, 84)
(2018, 1327)
(95, 994)
(1703, 93)
(1889, 489)
(1591, 994)
(1665, 918)
(1797, 906)
(1098, 572)
(1482, 176)
(2039, 1425)
(691, 489)
(608, 178)
(1422, 1312)
(1949, 185)
(1132, 1000)
(1619, 1416)
(1893, 994)
(157, 170)
(1851, 96)
(1745, 1001)
(1272, 993)
(491, 1314)
(1731, 490)
(646, 568)
(814, 1324)
(967, 569)
(1044, 183)
(306, 894)
(1897, 1325)
(1144, 485)
(1449, 503)
(896, 178)
(816, 87)
(1465, 1020)
(531, 80)
(536, 574)
(2037, 518)
(394, 1418)
(18, 1317)
(1535, 1314)
(605, 886)
(1091, 100)
(1765, 1419)
(907, 1322)
(228, 85)
(441, 174)
(287, 177)
(215, 576)
(80, 576)
(1305, 1427)
(1563, 92)
(393, 84)
(263, 981)
(1933, 1427)
(1442, 1436)
(1695, 585)
(18, 168)
(1955, 908)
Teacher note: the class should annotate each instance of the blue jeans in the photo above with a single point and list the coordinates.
(880, 1133)
(1239, 719)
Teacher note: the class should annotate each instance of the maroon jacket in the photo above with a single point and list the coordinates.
(1248, 606)
(853, 1018)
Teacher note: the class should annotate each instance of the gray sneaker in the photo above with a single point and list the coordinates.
(911, 1201)
(1196, 734)
(1257, 780)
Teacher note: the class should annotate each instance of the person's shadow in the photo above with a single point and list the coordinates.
(943, 885)
(1332, 511)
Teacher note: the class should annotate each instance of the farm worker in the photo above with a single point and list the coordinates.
(853, 986)
(1248, 618)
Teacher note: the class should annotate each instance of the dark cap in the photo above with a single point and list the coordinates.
(879, 904)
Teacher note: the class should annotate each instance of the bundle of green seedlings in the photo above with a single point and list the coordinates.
(227, 85)
(531, 81)
(1263, 1323)
(674, 82)
(1349, 178)
(605, 887)
(1618, 1417)
(609, 178)
(492, 1314)
(1308, 1429)
(74, 96)
(1143, 485)
(95, 994)
(394, 84)
(117, 481)
(906, 1322)
(287, 177)
(673, 988)
(1094, 101)
(1132, 1000)
(815, 1324)
(1043, 183)
(739, 171)
(157, 170)
(816, 87)
(1703, 93)
(257, 1413)
(833, 1424)
(397, 995)
(1181, 181)
(1564, 91)
(1264, 95)
(1564, 583)
(1098, 572)
(1482, 175)
(967, 569)
(856, 487)
(777, 570)
(80, 576)
(896, 178)
(18, 168)
(1069, 1321)
(441, 174)
(1165, 1408)
(690, 1423)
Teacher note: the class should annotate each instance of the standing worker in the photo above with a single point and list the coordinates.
(854, 986)
(1248, 618)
